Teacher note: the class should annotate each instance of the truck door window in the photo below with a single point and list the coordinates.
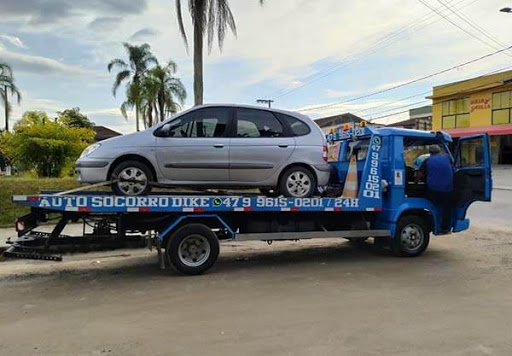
(415, 153)
(471, 153)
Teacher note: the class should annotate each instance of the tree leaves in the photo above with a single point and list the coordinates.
(44, 145)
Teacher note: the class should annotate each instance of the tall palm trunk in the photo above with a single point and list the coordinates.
(198, 56)
(161, 104)
(137, 117)
(6, 108)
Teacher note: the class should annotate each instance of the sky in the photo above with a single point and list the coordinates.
(315, 57)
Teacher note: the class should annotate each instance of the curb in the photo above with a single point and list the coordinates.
(502, 188)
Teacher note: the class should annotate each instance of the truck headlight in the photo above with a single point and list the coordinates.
(89, 150)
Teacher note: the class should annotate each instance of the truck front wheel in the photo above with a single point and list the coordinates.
(411, 237)
(192, 249)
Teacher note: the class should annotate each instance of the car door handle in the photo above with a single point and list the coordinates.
(283, 145)
(218, 145)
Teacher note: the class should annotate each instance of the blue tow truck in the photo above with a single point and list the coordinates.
(389, 205)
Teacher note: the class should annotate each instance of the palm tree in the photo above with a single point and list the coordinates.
(139, 60)
(208, 16)
(159, 89)
(7, 87)
(168, 88)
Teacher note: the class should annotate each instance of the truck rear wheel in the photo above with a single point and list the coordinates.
(411, 237)
(192, 249)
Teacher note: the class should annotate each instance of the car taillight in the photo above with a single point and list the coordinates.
(324, 154)
(19, 225)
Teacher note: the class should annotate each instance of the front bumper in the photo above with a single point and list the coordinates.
(91, 170)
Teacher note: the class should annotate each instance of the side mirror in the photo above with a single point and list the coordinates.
(162, 131)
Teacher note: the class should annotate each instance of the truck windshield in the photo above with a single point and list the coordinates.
(416, 151)
(359, 148)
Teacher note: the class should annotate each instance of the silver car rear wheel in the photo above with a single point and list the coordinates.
(298, 182)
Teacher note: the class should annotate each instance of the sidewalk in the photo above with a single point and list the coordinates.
(502, 177)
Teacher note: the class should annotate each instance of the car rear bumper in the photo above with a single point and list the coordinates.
(92, 170)
(323, 173)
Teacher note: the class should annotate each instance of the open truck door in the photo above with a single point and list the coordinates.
(473, 180)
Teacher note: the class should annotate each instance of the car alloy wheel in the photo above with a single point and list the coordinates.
(299, 184)
(132, 181)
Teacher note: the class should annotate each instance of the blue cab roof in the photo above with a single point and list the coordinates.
(392, 131)
(357, 133)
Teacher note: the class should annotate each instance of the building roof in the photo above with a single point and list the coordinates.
(391, 131)
(492, 130)
(338, 120)
(421, 111)
(403, 123)
(472, 85)
(102, 133)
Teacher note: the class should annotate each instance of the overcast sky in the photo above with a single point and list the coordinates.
(301, 53)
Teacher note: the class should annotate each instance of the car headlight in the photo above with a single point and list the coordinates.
(89, 150)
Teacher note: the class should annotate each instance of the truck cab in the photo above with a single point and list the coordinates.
(404, 191)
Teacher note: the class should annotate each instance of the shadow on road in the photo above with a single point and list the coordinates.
(234, 260)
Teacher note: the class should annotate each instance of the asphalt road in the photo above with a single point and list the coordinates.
(319, 297)
(494, 215)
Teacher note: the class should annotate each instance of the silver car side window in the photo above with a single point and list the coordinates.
(200, 123)
(252, 123)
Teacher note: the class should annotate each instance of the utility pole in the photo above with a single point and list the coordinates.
(265, 101)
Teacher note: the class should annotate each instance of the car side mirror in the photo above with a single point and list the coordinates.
(162, 131)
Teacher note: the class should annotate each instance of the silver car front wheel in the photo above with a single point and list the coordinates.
(131, 178)
(132, 181)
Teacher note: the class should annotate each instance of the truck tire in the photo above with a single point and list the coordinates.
(297, 182)
(135, 170)
(192, 249)
(411, 237)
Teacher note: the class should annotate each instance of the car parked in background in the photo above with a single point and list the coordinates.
(208, 146)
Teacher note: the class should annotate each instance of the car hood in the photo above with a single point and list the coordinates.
(142, 138)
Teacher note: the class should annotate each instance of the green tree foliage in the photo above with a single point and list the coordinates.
(34, 117)
(7, 88)
(44, 145)
(209, 17)
(74, 118)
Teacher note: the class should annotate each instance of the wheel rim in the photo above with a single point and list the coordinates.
(412, 237)
(194, 250)
(298, 184)
(132, 181)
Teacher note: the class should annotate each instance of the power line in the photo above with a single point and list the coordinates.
(379, 43)
(474, 25)
(359, 112)
(457, 25)
(411, 81)
(444, 87)
(391, 103)
(399, 107)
